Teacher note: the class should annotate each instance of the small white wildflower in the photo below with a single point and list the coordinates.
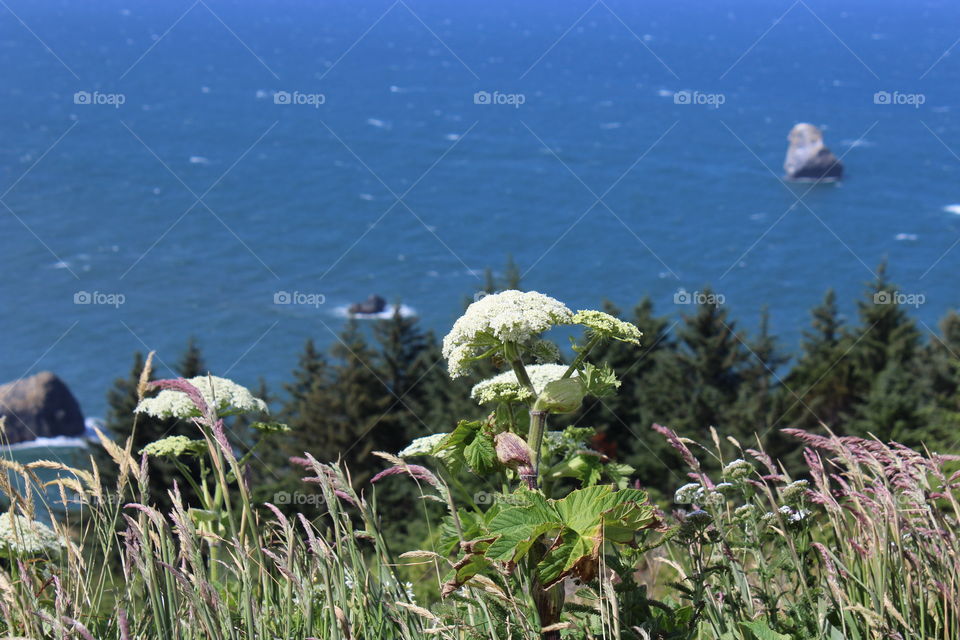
(230, 398)
(725, 488)
(505, 388)
(608, 326)
(794, 492)
(422, 446)
(785, 510)
(768, 517)
(744, 512)
(29, 537)
(799, 515)
(174, 446)
(713, 499)
(688, 493)
(510, 316)
(738, 469)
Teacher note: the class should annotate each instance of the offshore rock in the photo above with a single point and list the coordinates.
(808, 158)
(373, 304)
(40, 406)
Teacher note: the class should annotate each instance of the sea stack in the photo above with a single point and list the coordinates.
(807, 157)
(373, 304)
(40, 406)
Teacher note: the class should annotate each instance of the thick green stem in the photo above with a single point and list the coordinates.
(581, 356)
(538, 423)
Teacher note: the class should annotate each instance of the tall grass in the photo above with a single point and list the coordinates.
(864, 545)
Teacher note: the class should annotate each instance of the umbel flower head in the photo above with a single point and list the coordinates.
(422, 446)
(174, 447)
(28, 537)
(224, 395)
(608, 326)
(516, 317)
(504, 387)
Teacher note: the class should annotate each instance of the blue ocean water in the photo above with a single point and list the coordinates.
(414, 143)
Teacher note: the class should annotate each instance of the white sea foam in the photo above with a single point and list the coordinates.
(610, 125)
(406, 311)
(48, 443)
(952, 208)
(198, 160)
(903, 237)
(380, 124)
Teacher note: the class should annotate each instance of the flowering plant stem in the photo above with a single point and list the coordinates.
(582, 356)
(538, 424)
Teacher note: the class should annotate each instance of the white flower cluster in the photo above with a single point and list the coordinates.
(737, 470)
(744, 512)
(608, 326)
(688, 493)
(793, 493)
(509, 316)
(793, 516)
(422, 446)
(504, 387)
(24, 536)
(230, 398)
(173, 446)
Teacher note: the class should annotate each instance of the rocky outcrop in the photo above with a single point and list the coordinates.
(373, 304)
(40, 406)
(808, 158)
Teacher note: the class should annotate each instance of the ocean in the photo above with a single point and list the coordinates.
(241, 171)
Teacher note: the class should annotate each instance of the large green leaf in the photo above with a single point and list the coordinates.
(519, 527)
(578, 525)
(481, 454)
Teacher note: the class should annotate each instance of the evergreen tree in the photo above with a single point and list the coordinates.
(191, 363)
(941, 380)
(711, 358)
(334, 409)
(759, 404)
(644, 397)
(401, 365)
(883, 352)
(820, 386)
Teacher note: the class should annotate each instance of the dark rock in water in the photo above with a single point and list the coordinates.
(808, 158)
(373, 304)
(40, 406)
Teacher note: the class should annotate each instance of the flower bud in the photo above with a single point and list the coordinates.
(511, 449)
(560, 396)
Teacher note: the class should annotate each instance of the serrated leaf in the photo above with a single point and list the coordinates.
(519, 527)
(481, 454)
